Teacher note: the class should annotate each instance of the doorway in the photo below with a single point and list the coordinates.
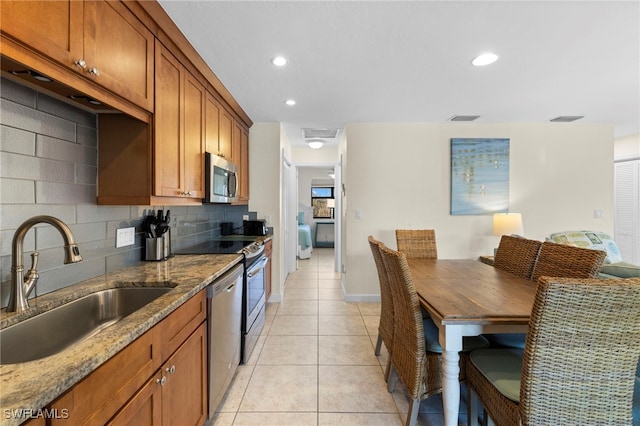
(319, 208)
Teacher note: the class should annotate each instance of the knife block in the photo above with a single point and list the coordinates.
(159, 248)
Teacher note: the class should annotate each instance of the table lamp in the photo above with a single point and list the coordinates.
(507, 224)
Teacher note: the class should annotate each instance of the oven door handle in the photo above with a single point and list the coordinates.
(260, 265)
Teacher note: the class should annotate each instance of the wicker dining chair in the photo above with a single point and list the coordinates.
(517, 255)
(419, 369)
(417, 243)
(385, 327)
(578, 365)
(559, 260)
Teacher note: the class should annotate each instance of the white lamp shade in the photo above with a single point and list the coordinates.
(507, 224)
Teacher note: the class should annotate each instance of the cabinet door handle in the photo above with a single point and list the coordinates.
(94, 71)
(162, 381)
(80, 63)
(171, 369)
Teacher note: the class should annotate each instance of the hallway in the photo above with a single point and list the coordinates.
(315, 365)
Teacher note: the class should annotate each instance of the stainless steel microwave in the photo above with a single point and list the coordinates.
(221, 180)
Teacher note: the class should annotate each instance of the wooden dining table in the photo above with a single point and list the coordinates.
(468, 298)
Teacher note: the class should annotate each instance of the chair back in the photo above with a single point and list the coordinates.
(408, 352)
(385, 329)
(517, 255)
(581, 352)
(417, 243)
(559, 260)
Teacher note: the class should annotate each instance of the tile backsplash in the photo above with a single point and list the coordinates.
(49, 166)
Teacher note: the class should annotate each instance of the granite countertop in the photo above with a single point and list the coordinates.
(32, 385)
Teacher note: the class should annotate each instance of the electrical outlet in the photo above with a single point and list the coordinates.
(598, 214)
(245, 217)
(125, 237)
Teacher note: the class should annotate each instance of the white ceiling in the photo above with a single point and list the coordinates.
(409, 61)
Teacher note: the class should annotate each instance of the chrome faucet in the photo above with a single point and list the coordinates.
(22, 286)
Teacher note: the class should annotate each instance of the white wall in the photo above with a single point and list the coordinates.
(398, 176)
(264, 186)
(627, 147)
(305, 156)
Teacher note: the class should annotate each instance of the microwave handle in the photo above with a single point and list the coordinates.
(233, 184)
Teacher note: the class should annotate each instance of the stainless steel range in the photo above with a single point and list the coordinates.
(254, 286)
(254, 301)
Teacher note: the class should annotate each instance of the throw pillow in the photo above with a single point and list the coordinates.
(591, 240)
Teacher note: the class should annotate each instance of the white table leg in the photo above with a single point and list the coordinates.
(451, 341)
(450, 386)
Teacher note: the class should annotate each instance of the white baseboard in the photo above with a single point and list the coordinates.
(362, 298)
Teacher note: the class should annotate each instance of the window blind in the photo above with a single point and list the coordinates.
(627, 210)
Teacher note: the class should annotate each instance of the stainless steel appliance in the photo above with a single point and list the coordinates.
(254, 301)
(224, 303)
(254, 288)
(255, 227)
(221, 180)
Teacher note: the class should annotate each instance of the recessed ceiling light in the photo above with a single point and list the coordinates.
(290, 102)
(279, 61)
(484, 59)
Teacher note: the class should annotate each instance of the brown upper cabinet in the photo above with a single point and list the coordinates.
(131, 57)
(162, 162)
(240, 155)
(218, 128)
(178, 130)
(98, 40)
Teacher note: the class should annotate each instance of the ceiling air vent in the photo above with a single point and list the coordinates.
(463, 118)
(320, 133)
(566, 118)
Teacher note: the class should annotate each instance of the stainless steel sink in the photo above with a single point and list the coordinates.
(52, 331)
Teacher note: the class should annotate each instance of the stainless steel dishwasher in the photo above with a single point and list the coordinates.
(224, 300)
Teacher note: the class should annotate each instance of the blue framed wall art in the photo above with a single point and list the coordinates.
(479, 176)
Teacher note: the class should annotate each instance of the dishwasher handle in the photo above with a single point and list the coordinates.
(225, 282)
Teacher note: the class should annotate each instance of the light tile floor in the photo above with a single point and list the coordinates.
(314, 363)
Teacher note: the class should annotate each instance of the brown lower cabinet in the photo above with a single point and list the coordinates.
(159, 379)
(168, 397)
